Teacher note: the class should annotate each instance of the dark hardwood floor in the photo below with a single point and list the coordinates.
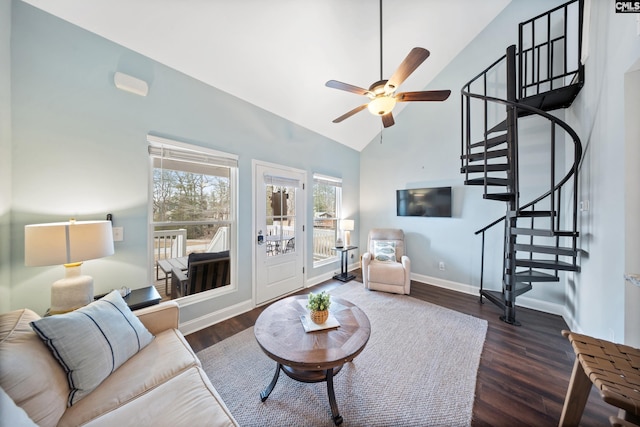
(524, 371)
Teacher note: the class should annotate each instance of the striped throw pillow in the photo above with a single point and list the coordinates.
(93, 341)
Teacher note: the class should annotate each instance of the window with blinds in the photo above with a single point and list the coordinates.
(193, 200)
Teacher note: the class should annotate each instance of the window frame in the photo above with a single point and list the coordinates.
(337, 182)
(212, 158)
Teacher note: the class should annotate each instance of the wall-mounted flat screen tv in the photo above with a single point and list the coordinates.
(433, 202)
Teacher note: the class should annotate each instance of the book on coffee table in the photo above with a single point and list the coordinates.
(310, 326)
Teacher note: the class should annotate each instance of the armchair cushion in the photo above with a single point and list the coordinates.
(389, 272)
(93, 341)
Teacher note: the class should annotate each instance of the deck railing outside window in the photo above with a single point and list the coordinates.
(324, 240)
(169, 243)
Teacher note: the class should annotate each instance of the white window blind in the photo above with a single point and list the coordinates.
(327, 180)
(171, 152)
(281, 181)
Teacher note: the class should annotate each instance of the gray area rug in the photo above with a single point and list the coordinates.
(418, 369)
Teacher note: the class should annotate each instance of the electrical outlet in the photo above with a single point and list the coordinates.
(118, 234)
(441, 265)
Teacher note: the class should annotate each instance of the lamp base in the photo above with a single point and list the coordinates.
(71, 292)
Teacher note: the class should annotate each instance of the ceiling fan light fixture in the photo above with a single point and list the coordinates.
(381, 105)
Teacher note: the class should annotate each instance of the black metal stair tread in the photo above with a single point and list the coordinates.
(522, 287)
(548, 264)
(532, 232)
(495, 167)
(551, 100)
(545, 249)
(491, 142)
(535, 276)
(500, 127)
(529, 214)
(495, 297)
(490, 181)
(489, 155)
(503, 197)
(544, 232)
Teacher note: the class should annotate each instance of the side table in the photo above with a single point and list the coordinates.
(344, 275)
(140, 298)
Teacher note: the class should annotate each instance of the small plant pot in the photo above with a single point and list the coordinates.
(319, 317)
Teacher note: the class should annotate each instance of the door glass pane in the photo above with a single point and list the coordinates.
(280, 217)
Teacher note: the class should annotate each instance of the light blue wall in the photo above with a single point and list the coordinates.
(5, 154)
(596, 298)
(80, 149)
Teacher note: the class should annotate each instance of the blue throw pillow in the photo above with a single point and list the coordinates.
(384, 250)
(93, 341)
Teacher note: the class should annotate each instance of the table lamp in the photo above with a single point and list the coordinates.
(69, 243)
(347, 225)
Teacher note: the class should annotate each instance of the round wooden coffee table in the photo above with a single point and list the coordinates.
(311, 356)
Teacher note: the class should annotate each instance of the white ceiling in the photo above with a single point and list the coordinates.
(278, 54)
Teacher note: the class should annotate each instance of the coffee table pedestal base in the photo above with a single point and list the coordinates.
(309, 377)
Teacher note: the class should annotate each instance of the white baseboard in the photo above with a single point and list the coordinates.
(312, 281)
(248, 305)
(447, 284)
(534, 304)
(209, 319)
(326, 276)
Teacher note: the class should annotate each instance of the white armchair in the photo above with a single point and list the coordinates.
(385, 267)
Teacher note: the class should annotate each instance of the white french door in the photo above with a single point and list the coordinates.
(279, 210)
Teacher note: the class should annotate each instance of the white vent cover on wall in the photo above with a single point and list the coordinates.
(130, 84)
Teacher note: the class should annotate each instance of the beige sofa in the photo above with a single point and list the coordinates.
(161, 385)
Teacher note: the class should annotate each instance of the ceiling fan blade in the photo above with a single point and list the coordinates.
(408, 66)
(427, 95)
(350, 113)
(347, 87)
(387, 120)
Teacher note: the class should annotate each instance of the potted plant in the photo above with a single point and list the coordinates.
(318, 305)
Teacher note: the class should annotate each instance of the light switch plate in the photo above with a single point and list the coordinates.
(118, 234)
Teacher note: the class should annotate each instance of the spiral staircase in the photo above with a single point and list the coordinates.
(543, 73)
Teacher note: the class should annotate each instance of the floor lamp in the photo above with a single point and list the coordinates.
(69, 243)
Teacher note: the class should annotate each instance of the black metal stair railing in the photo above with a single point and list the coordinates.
(555, 228)
(542, 73)
(539, 78)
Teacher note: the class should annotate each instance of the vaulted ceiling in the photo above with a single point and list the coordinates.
(278, 54)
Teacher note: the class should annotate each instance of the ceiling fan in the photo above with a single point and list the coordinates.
(382, 94)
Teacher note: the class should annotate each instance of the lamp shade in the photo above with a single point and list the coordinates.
(347, 225)
(67, 242)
